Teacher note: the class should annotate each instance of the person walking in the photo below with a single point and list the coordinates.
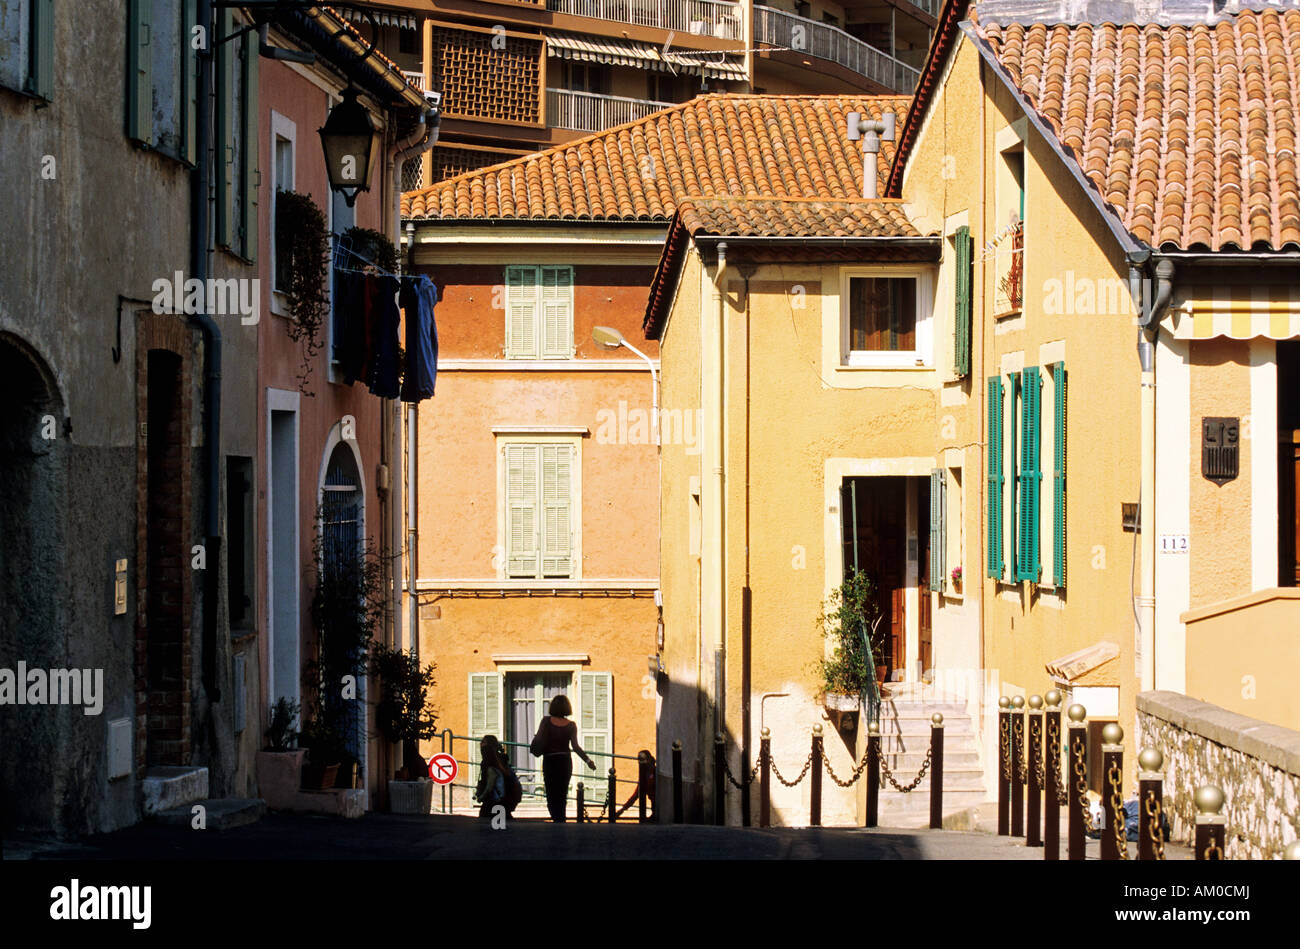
(497, 783)
(555, 736)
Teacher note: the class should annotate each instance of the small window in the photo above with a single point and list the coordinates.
(282, 170)
(886, 320)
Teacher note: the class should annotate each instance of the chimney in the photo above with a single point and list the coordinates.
(871, 134)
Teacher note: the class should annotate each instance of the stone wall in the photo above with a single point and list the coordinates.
(1256, 764)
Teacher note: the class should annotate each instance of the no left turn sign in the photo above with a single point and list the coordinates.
(442, 769)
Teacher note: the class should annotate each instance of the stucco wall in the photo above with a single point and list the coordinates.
(1257, 766)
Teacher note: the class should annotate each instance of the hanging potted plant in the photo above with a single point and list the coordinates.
(279, 765)
(302, 254)
(851, 622)
(405, 715)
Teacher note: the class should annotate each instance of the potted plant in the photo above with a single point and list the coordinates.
(956, 579)
(325, 750)
(405, 715)
(279, 765)
(302, 266)
(851, 621)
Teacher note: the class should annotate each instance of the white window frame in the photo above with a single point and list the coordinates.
(282, 127)
(923, 355)
(575, 504)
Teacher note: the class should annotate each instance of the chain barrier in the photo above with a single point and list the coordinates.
(1018, 731)
(1035, 732)
(1006, 748)
(726, 767)
(807, 763)
(1115, 778)
(857, 770)
(888, 773)
(1081, 785)
(1157, 832)
(1054, 741)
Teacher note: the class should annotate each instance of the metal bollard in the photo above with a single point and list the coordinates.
(719, 781)
(1017, 763)
(1112, 763)
(1150, 805)
(815, 815)
(1052, 771)
(1211, 825)
(1033, 760)
(613, 796)
(873, 773)
(642, 783)
(1292, 851)
(765, 784)
(1004, 766)
(1074, 781)
(581, 813)
(936, 771)
(678, 817)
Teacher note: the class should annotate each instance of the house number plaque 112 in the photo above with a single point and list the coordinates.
(1219, 448)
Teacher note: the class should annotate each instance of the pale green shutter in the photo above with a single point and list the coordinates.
(521, 312)
(484, 717)
(596, 723)
(521, 510)
(995, 480)
(40, 66)
(1058, 481)
(557, 462)
(557, 312)
(962, 308)
(189, 81)
(250, 146)
(938, 531)
(1027, 559)
(139, 73)
(224, 142)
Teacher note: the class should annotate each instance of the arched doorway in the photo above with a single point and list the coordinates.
(33, 473)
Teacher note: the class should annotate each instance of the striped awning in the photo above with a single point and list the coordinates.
(592, 49)
(399, 20)
(1242, 312)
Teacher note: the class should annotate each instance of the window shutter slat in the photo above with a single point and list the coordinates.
(40, 70)
(250, 146)
(139, 72)
(936, 530)
(521, 312)
(521, 511)
(189, 81)
(995, 479)
(962, 308)
(557, 560)
(596, 692)
(1058, 481)
(484, 717)
(557, 312)
(1027, 560)
(225, 130)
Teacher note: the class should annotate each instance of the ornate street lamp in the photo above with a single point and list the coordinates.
(348, 138)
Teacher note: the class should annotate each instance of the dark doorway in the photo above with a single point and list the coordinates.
(1288, 462)
(875, 543)
(530, 698)
(167, 565)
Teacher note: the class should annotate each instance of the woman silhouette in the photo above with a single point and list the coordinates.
(555, 736)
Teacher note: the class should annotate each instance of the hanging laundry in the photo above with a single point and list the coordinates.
(384, 322)
(353, 347)
(419, 296)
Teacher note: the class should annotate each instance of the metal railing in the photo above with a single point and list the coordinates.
(700, 17)
(415, 78)
(823, 41)
(588, 112)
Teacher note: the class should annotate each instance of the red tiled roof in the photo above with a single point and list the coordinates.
(1188, 132)
(715, 145)
(758, 216)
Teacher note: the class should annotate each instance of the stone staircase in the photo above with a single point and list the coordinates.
(905, 738)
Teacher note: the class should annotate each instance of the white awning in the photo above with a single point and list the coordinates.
(613, 52)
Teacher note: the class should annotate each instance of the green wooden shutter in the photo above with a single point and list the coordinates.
(596, 723)
(521, 312)
(1030, 476)
(995, 480)
(224, 141)
(484, 718)
(139, 72)
(962, 308)
(250, 176)
(1058, 481)
(40, 63)
(189, 82)
(557, 499)
(557, 312)
(521, 511)
(938, 530)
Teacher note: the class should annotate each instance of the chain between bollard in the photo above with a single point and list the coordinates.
(1035, 732)
(807, 763)
(1022, 770)
(888, 772)
(857, 770)
(1081, 781)
(1006, 747)
(1115, 779)
(1157, 832)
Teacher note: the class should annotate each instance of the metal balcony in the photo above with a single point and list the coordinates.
(699, 17)
(588, 112)
(831, 44)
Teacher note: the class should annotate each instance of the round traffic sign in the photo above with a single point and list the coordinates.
(442, 768)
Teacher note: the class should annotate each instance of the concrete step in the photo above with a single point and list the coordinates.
(917, 801)
(963, 780)
(168, 787)
(952, 760)
(218, 813)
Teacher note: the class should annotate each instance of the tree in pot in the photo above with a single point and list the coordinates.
(404, 714)
(851, 621)
(279, 765)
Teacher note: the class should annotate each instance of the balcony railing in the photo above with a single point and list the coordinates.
(587, 112)
(701, 17)
(417, 78)
(826, 42)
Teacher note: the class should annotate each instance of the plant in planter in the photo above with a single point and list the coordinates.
(851, 621)
(374, 246)
(302, 254)
(404, 714)
(325, 751)
(279, 765)
(956, 578)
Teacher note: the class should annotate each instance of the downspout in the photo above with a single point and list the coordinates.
(1148, 331)
(412, 535)
(719, 637)
(200, 181)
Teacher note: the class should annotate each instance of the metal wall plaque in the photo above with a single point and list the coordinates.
(1220, 450)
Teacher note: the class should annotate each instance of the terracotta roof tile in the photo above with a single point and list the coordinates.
(760, 216)
(714, 145)
(1189, 132)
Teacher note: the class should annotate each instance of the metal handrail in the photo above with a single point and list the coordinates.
(591, 112)
(778, 28)
(707, 17)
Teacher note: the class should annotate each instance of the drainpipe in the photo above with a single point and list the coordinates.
(200, 181)
(1149, 329)
(719, 638)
